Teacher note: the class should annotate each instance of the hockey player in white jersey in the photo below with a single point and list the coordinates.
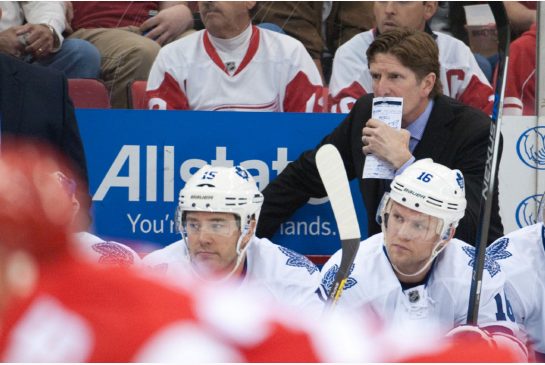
(233, 65)
(520, 255)
(217, 214)
(88, 245)
(460, 75)
(415, 271)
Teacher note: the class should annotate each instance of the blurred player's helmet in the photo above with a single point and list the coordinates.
(221, 190)
(433, 189)
(35, 212)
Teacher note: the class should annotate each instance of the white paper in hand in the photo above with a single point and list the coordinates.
(388, 110)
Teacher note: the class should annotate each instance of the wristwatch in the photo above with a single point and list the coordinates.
(56, 40)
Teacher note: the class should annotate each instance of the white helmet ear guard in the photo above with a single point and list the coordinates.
(432, 189)
(221, 190)
(379, 216)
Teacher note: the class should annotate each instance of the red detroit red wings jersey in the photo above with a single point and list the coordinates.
(276, 74)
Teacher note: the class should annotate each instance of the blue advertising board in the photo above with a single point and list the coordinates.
(139, 160)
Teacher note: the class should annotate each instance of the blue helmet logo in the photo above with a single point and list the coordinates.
(240, 171)
(460, 180)
(531, 147)
(526, 211)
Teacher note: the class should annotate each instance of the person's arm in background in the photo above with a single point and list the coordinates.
(45, 22)
(173, 19)
(9, 42)
(520, 17)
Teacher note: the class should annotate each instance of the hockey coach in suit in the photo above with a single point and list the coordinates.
(403, 63)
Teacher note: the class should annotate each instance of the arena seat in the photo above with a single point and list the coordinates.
(137, 94)
(89, 94)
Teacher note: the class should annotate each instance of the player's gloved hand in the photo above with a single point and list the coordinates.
(494, 339)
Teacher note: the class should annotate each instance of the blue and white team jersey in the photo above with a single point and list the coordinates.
(283, 274)
(441, 301)
(109, 253)
(520, 255)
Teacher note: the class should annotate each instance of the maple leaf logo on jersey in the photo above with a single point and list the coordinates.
(329, 278)
(496, 252)
(298, 260)
(113, 255)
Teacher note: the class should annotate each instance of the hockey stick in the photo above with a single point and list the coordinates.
(489, 179)
(331, 168)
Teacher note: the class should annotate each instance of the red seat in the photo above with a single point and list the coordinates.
(137, 95)
(89, 93)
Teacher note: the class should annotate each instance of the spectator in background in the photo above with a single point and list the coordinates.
(218, 241)
(460, 75)
(32, 31)
(322, 26)
(128, 36)
(520, 88)
(404, 63)
(232, 65)
(34, 104)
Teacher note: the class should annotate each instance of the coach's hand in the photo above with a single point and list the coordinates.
(386, 143)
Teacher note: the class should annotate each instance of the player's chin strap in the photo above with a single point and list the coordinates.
(240, 257)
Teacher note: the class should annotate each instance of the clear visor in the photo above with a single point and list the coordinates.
(409, 224)
(214, 227)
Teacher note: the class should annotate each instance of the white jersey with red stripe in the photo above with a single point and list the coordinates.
(275, 74)
(461, 77)
(520, 255)
(102, 252)
(279, 272)
(442, 299)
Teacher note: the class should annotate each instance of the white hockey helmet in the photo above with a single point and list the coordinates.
(221, 190)
(433, 189)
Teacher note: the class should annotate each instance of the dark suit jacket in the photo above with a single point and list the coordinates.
(456, 136)
(34, 103)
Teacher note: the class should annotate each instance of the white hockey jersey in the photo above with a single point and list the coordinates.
(283, 274)
(108, 253)
(520, 255)
(461, 77)
(276, 74)
(443, 300)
